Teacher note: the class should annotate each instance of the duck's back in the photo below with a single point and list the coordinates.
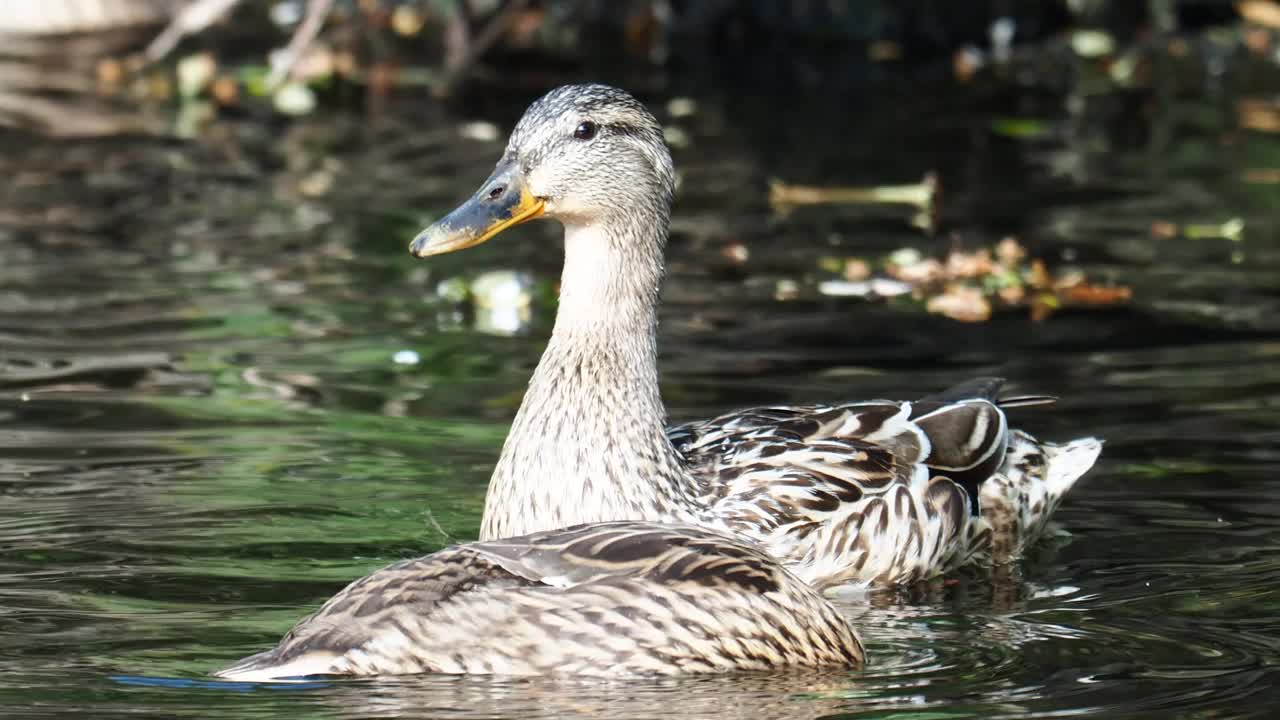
(882, 491)
(611, 599)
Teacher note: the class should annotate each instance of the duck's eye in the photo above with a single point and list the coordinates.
(585, 130)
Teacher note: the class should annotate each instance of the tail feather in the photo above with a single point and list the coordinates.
(1068, 462)
(979, 388)
(1017, 503)
(1017, 401)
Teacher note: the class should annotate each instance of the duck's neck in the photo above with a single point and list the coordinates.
(589, 443)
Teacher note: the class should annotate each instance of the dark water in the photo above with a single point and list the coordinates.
(225, 391)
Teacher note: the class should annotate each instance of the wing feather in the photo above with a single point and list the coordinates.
(876, 491)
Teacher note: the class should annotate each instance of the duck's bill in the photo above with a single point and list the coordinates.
(485, 215)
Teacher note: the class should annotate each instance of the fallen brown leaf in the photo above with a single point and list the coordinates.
(1085, 294)
(225, 90)
(969, 265)
(1038, 275)
(855, 269)
(1260, 12)
(1257, 40)
(962, 303)
(1262, 176)
(1012, 294)
(1258, 114)
(1010, 252)
(1164, 229)
(922, 272)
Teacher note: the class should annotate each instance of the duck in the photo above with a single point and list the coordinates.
(613, 599)
(851, 493)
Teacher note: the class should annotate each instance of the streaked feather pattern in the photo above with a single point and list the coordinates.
(611, 599)
(880, 492)
(867, 492)
(861, 493)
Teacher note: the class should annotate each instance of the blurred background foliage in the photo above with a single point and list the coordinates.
(301, 53)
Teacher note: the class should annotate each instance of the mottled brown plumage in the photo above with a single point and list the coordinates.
(870, 492)
(856, 492)
(604, 600)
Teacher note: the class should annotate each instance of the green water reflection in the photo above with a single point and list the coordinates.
(225, 393)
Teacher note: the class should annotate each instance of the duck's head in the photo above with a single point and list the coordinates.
(582, 154)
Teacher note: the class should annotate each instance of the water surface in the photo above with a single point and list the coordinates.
(225, 391)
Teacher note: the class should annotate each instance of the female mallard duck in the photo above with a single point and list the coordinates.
(611, 599)
(866, 492)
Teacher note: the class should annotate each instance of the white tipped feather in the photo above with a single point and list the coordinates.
(1069, 462)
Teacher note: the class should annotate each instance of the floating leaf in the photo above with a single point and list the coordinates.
(254, 79)
(1258, 114)
(1260, 12)
(970, 285)
(1262, 176)
(960, 302)
(407, 20)
(195, 72)
(1092, 43)
(1020, 128)
(855, 269)
(1085, 294)
(920, 194)
(294, 99)
(1232, 230)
